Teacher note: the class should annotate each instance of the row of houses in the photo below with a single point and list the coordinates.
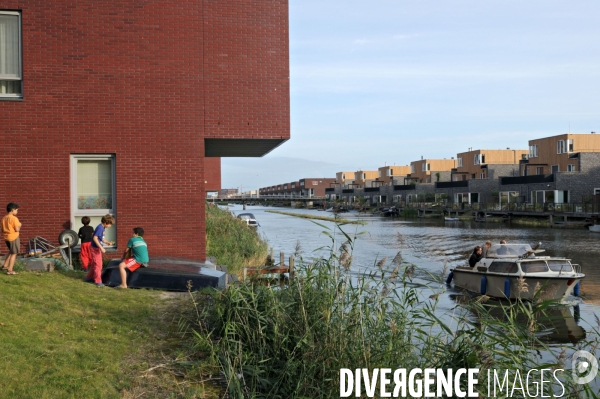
(558, 169)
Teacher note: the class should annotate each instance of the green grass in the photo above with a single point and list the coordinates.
(315, 217)
(63, 338)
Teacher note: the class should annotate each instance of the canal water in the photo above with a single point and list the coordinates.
(432, 244)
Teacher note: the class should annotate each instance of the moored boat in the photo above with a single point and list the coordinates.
(451, 219)
(249, 219)
(595, 228)
(516, 271)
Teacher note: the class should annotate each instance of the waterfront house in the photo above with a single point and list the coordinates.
(558, 170)
(430, 170)
(476, 176)
(126, 107)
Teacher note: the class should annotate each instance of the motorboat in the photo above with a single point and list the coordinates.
(595, 228)
(515, 271)
(388, 211)
(249, 219)
(451, 219)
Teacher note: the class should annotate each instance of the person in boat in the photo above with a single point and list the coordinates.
(486, 247)
(503, 250)
(475, 256)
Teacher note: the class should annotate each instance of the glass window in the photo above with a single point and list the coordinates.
(560, 266)
(10, 54)
(533, 151)
(534, 267)
(503, 267)
(93, 190)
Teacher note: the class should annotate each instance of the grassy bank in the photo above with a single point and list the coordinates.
(232, 242)
(63, 338)
(334, 219)
(291, 343)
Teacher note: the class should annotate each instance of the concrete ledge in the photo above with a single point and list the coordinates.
(39, 264)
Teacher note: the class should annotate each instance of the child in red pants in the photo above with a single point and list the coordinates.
(95, 273)
(85, 235)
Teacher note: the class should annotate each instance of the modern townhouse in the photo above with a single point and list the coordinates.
(476, 176)
(558, 170)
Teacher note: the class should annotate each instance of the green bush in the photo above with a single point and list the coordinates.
(232, 242)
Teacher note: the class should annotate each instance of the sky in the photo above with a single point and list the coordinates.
(390, 81)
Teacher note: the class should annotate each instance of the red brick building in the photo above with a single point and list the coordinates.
(120, 108)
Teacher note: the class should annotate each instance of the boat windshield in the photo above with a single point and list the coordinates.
(537, 266)
(507, 250)
(560, 265)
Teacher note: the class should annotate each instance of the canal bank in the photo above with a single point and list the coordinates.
(288, 318)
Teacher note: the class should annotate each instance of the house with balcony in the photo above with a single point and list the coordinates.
(388, 175)
(430, 170)
(558, 170)
(477, 172)
(344, 179)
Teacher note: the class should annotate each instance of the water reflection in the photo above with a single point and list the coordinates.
(432, 245)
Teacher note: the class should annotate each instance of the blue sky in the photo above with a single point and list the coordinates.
(375, 82)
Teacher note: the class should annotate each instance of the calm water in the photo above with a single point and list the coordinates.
(430, 243)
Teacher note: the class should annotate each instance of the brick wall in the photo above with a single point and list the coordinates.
(129, 79)
(212, 173)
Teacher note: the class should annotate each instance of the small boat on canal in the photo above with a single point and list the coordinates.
(595, 228)
(451, 219)
(515, 271)
(249, 219)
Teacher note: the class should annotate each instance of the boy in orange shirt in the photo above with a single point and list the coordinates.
(10, 229)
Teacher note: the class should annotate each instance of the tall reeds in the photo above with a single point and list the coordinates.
(292, 342)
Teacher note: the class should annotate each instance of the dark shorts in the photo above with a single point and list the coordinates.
(13, 246)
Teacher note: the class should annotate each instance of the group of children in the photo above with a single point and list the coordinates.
(135, 256)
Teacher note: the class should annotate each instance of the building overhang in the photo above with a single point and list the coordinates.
(240, 147)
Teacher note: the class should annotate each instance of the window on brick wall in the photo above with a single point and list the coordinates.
(10, 55)
(93, 191)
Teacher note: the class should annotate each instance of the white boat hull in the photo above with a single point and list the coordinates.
(549, 287)
(595, 228)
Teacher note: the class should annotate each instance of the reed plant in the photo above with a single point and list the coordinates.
(292, 342)
(232, 242)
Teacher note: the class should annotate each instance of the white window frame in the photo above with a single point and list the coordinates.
(19, 76)
(478, 159)
(554, 171)
(533, 151)
(425, 167)
(596, 191)
(459, 162)
(412, 168)
(539, 170)
(571, 168)
(564, 146)
(77, 214)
